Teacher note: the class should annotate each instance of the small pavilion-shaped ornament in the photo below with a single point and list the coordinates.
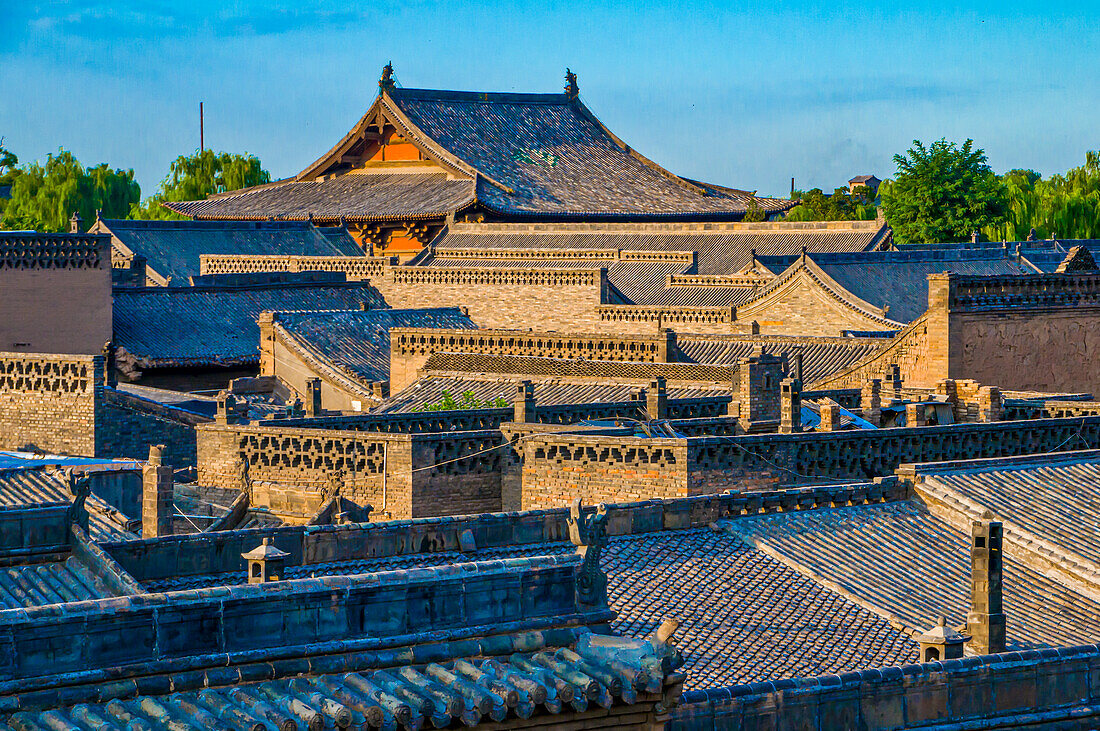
(941, 643)
(265, 563)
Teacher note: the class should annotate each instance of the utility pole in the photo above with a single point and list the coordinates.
(202, 140)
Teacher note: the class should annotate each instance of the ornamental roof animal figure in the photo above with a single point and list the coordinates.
(572, 91)
(589, 534)
(81, 487)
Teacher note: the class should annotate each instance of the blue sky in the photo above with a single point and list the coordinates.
(736, 93)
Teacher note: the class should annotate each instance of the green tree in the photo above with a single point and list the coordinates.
(942, 193)
(842, 205)
(194, 177)
(753, 212)
(43, 197)
(1062, 206)
(9, 170)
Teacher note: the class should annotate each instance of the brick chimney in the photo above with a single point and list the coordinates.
(666, 346)
(870, 401)
(915, 414)
(313, 397)
(986, 621)
(656, 399)
(991, 405)
(796, 364)
(830, 415)
(790, 406)
(524, 406)
(156, 495)
(759, 376)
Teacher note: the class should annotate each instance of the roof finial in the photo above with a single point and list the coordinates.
(571, 89)
(386, 82)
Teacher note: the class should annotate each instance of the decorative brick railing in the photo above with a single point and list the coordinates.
(1021, 409)
(1024, 291)
(639, 348)
(668, 315)
(25, 374)
(794, 458)
(861, 454)
(525, 254)
(414, 275)
(355, 267)
(530, 367)
(741, 281)
(54, 251)
(684, 257)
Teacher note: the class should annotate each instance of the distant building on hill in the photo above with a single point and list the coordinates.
(864, 181)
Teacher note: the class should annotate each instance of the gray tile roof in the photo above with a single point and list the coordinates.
(744, 617)
(1050, 497)
(577, 368)
(899, 279)
(173, 248)
(215, 325)
(820, 356)
(505, 681)
(23, 486)
(910, 566)
(355, 197)
(57, 582)
(548, 391)
(1047, 255)
(357, 343)
(721, 250)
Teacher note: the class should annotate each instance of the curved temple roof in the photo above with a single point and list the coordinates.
(526, 155)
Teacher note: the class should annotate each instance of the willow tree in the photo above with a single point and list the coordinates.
(194, 177)
(43, 197)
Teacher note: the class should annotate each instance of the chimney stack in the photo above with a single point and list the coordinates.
(830, 415)
(790, 406)
(524, 406)
(986, 621)
(156, 495)
(871, 401)
(656, 399)
(313, 397)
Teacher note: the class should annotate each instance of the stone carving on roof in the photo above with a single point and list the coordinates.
(589, 534)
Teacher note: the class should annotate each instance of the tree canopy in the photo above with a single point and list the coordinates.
(815, 205)
(195, 176)
(1062, 206)
(43, 197)
(941, 193)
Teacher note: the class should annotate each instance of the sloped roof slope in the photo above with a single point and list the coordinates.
(21, 486)
(172, 248)
(354, 197)
(899, 279)
(913, 567)
(721, 248)
(745, 617)
(820, 356)
(357, 342)
(547, 154)
(212, 325)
